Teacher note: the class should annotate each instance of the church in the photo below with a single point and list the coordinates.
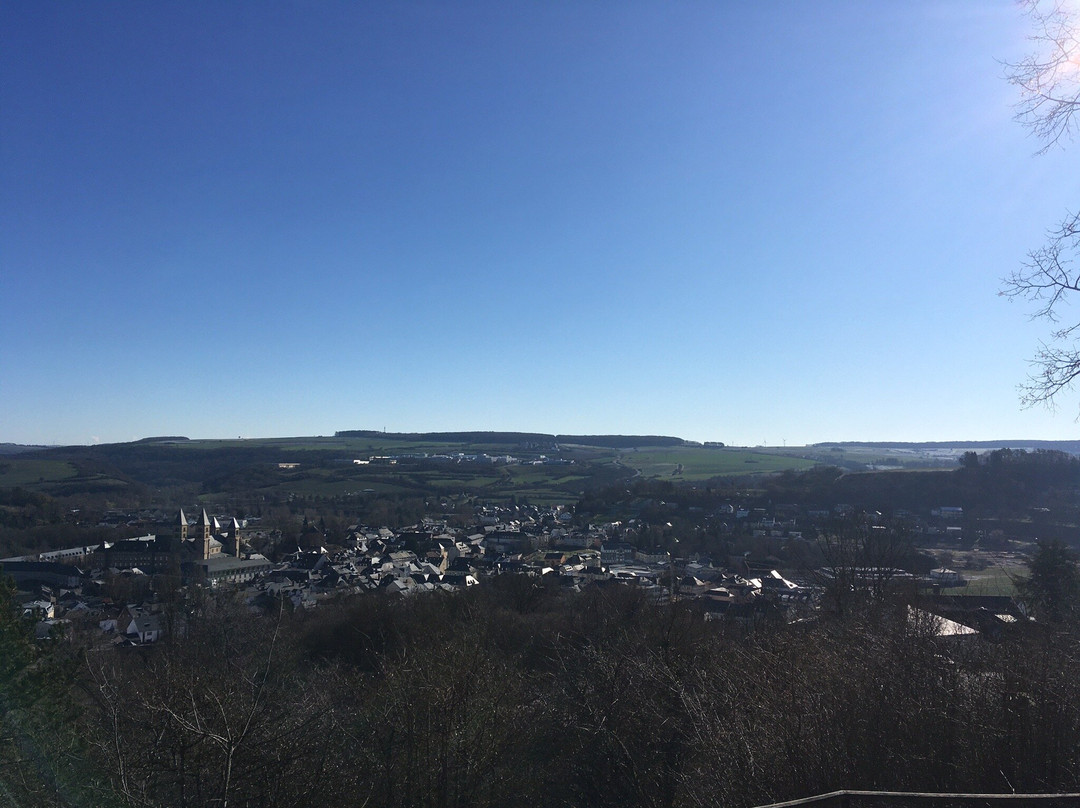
(205, 552)
(208, 540)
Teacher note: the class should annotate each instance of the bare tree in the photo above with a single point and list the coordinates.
(862, 561)
(1048, 276)
(1049, 83)
(222, 716)
(1049, 77)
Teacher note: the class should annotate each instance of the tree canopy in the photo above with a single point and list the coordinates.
(1052, 590)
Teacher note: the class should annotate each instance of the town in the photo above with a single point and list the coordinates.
(120, 586)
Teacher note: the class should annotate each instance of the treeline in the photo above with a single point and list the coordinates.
(481, 437)
(517, 438)
(1003, 481)
(982, 445)
(621, 441)
(518, 693)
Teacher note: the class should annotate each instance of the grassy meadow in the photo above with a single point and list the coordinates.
(702, 463)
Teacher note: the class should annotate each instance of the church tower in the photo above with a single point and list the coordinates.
(235, 530)
(204, 523)
(181, 525)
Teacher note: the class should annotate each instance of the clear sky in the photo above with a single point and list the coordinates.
(745, 222)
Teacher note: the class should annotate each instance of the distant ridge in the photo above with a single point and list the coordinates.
(606, 441)
(164, 439)
(19, 448)
(621, 441)
(1072, 446)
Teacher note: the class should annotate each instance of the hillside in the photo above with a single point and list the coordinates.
(497, 465)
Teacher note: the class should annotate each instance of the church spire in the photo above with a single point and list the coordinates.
(204, 523)
(235, 530)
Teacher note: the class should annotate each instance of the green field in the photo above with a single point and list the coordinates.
(546, 484)
(25, 471)
(703, 463)
(997, 579)
(987, 573)
(359, 447)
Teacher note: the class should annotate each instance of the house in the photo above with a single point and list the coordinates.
(940, 627)
(946, 577)
(777, 586)
(616, 552)
(655, 555)
(41, 609)
(143, 627)
(110, 620)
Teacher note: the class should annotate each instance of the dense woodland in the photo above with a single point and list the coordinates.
(519, 693)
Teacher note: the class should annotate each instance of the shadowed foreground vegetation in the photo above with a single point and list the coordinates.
(517, 693)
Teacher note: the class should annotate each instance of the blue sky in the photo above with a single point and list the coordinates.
(754, 223)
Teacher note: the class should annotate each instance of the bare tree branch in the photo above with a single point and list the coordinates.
(1049, 77)
(1054, 370)
(1049, 83)
(1048, 277)
(1050, 273)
